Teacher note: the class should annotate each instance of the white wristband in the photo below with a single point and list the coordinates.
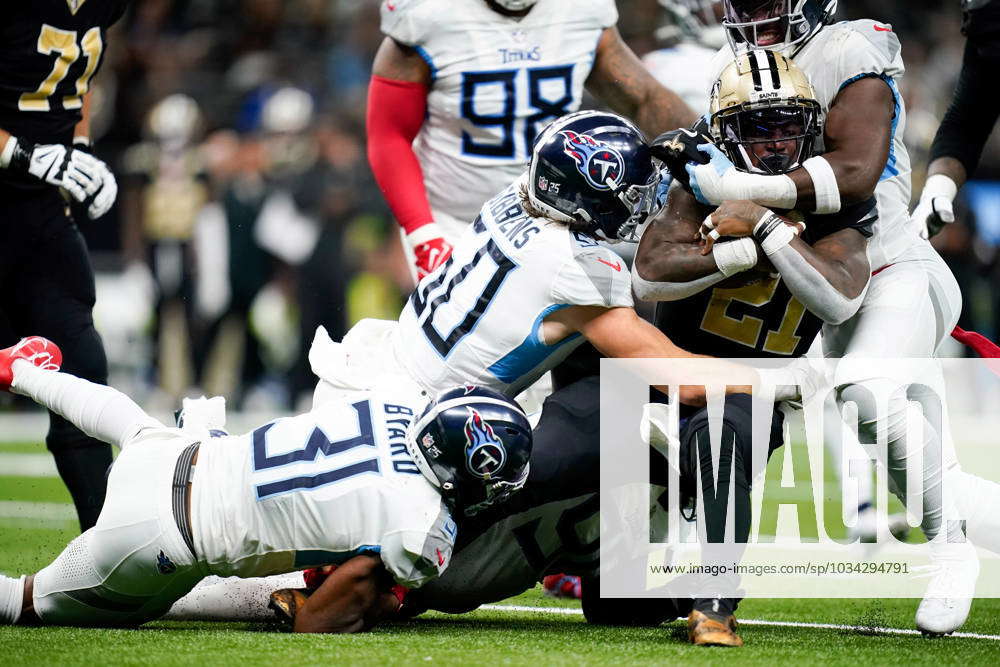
(773, 191)
(8, 152)
(824, 185)
(735, 256)
(939, 185)
(772, 233)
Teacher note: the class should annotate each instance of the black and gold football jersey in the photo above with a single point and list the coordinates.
(50, 51)
(759, 320)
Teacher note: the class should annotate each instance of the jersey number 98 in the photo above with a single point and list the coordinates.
(498, 138)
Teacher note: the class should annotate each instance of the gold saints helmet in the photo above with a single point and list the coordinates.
(764, 113)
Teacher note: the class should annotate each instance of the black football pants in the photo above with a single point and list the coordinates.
(47, 289)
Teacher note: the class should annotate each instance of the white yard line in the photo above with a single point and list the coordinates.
(27, 465)
(50, 514)
(572, 611)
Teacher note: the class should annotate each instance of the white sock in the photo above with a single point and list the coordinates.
(99, 411)
(11, 599)
(232, 598)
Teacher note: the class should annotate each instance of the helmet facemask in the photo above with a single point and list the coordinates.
(474, 448)
(619, 187)
(769, 138)
(641, 203)
(774, 24)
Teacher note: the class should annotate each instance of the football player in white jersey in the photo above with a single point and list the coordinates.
(529, 282)
(912, 301)
(370, 483)
(461, 88)
(551, 525)
(693, 34)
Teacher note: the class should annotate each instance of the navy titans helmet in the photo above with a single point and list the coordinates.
(593, 170)
(473, 444)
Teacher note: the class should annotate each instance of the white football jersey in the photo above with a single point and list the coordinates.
(478, 318)
(317, 489)
(685, 69)
(836, 56)
(497, 80)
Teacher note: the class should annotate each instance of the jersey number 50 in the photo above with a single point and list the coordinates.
(539, 83)
(53, 40)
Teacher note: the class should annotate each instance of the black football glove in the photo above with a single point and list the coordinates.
(678, 147)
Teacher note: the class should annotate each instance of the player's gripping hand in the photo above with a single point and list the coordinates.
(934, 210)
(708, 181)
(718, 180)
(676, 148)
(430, 249)
(86, 179)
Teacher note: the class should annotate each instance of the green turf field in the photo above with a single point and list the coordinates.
(492, 636)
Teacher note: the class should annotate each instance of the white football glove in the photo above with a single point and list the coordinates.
(83, 176)
(934, 210)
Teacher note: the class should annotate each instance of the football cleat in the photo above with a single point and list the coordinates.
(563, 586)
(286, 602)
(949, 594)
(38, 351)
(706, 629)
(865, 528)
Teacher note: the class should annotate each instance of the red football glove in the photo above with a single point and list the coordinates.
(430, 249)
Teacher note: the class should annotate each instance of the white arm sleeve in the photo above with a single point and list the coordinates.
(810, 287)
(647, 290)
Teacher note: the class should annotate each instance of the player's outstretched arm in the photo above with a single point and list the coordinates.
(829, 277)
(622, 82)
(669, 264)
(353, 598)
(620, 333)
(397, 105)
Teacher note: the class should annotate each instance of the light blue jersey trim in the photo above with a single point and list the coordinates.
(316, 557)
(530, 353)
(890, 169)
(422, 52)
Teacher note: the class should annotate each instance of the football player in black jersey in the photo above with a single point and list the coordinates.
(969, 120)
(49, 53)
(719, 297)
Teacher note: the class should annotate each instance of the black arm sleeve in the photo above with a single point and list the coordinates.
(973, 110)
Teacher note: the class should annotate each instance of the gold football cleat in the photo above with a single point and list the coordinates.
(286, 602)
(703, 630)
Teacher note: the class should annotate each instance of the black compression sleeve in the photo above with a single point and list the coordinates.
(972, 113)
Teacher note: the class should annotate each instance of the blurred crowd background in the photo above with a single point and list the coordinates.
(248, 214)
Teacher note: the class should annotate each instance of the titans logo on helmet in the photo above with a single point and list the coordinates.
(484, 452)
(596, 160)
